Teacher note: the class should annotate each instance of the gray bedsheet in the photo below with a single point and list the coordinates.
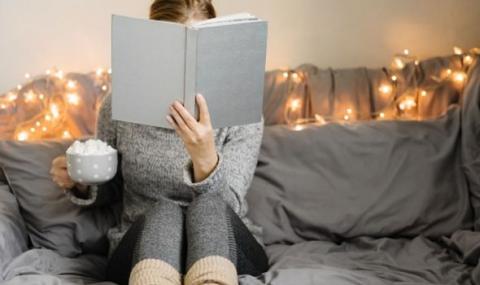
(360, 261)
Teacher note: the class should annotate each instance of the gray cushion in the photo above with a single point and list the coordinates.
(471, 138)
(13, 235)
(378, 179)
(52, 221)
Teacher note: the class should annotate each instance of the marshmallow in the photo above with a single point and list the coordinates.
(90, 147)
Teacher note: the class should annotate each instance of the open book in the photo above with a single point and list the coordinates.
(155, 63)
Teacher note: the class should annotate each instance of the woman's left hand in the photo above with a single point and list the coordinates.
(196, 135)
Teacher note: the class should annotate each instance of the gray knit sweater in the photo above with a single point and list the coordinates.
(154, 163)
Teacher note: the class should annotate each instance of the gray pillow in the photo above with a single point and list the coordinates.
(52, 221)
(13, 235)
(378, 179)
(471, 138)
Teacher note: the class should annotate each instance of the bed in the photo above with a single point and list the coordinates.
(367, 202)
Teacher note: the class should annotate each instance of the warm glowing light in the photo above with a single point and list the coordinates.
(48, 72)
(66, 135)
(349, 111)
(109, 71)
(32, 130)
(295, 104)
(386, 89)
(48, 118)
(394, 78)
(417, 62)
(59, 74)
(37, 124)
(104, 87)
(423, 93)
(346, 117)
(27, 75)
(459, 77)
(71, 84)
(44, 129)
(3, 106)
(11, 97)
(22, 136)
(382, 115)
(100, 71)
(407, 104)
(41, 96)
(398, 63)
(457, 50)
(406, 51)
(295, 76)
(19, 87)
(285, 74)
(72, 98)
(54, 110)
(320, 120)
(449, 72)
(29, 96)
(468, 59)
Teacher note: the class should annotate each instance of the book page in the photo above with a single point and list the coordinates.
(230, 19)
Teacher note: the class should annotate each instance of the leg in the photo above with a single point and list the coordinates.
(153, 249)
(219, 244)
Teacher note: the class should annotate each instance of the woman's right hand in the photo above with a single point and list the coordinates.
(60, 175)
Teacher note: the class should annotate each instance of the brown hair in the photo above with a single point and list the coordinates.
(181, 10)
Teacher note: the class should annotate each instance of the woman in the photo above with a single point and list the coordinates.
(182, 191)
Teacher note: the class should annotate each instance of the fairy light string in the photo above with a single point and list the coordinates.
(61, 95)
(400, 104)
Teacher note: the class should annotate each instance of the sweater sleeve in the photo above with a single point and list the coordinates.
(235, 168)
(109, 192)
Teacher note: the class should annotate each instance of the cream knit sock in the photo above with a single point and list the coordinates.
(154, 272)
(215, 270)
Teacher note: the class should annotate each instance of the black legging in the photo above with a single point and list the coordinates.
(180, 236)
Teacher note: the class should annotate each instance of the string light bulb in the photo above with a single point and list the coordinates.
(59, 74)
(73, 99)
(406, 52)
(295, 104)
(100, 71)
(54, 110)
(407, 104)
(285, 74)
(27, 75)
(457, 50)
(19, 87)
(459, 76)
(22, 136)
(423, 93)
(468, 60)
(109, 71)
(71, 84)
(386, 89)
(349, 111)
(394, 78)
(382, 115)
(66, 135)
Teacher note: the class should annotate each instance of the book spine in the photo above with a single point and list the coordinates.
(191, 71)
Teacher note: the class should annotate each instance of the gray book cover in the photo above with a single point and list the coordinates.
(155, 63)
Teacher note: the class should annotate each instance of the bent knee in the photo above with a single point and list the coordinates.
(162, 208)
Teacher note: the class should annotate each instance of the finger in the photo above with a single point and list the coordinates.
(180, 122)
(174, 125)
(203, 109)
(186, 116)
(59, 161)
